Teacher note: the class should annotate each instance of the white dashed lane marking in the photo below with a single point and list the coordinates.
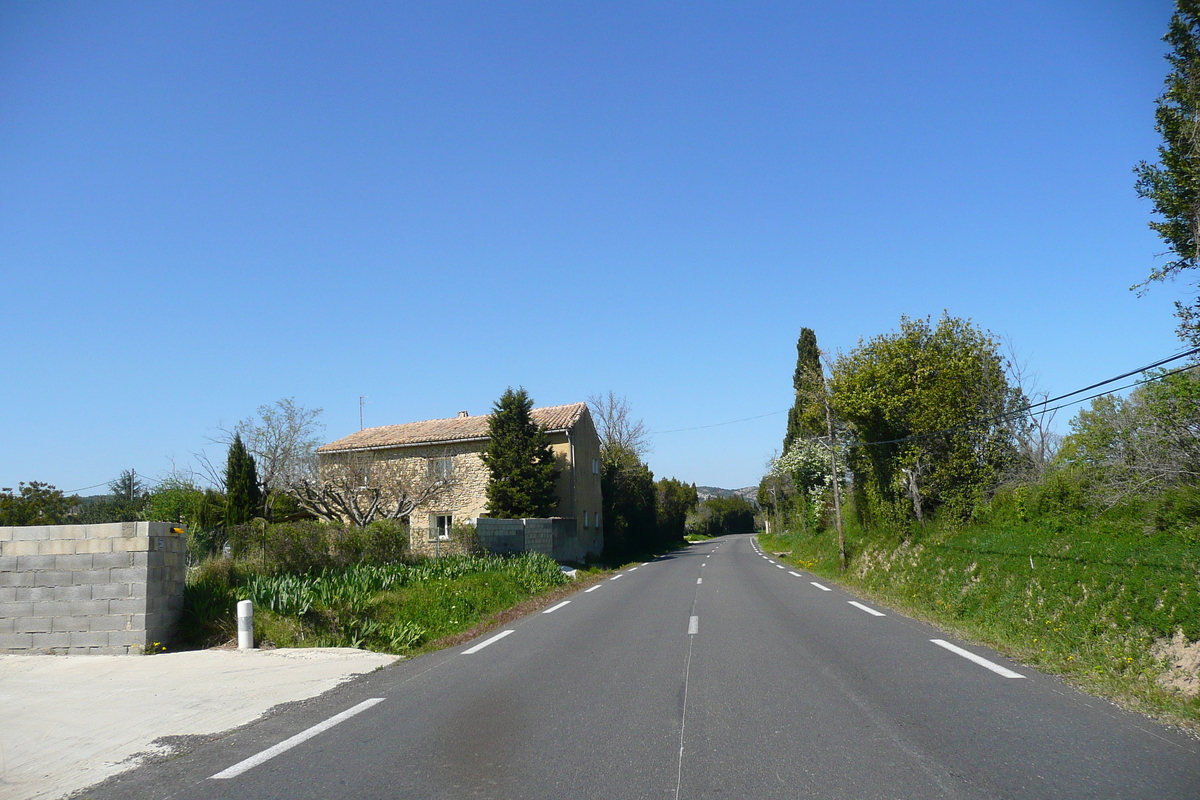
(819, 586)
(303, 736)
(980, 660)
(867, 609)
(486, 642)
(554, 608)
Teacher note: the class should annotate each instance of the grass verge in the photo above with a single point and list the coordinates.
(1111, 610)
(401, 608)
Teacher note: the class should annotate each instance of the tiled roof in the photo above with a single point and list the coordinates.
(455, 429)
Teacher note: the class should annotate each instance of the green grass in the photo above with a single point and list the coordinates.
(396, 608)
(1085, 600)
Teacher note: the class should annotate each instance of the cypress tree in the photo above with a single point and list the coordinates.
(519, 460)
(806, 416)
(243, 499)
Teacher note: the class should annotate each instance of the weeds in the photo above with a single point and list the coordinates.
(394, 607)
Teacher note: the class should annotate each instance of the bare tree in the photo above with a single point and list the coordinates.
(1036, 441)
(283, 440)
(620, 434)
(361, 487)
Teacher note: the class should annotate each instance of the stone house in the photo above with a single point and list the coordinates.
(416, 452)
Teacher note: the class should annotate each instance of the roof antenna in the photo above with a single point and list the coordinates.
(361, 399)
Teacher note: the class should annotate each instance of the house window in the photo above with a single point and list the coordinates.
(585, 519)
(440, 529)
(441, 468)
(595, 466)
(597, 519)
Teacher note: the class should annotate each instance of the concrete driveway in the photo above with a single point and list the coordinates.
(72, 721)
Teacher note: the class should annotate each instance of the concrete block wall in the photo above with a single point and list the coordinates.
(539, 536)
(114, 588)
(557, 537)
(501, 535)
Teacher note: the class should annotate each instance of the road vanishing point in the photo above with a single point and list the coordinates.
(712, 672)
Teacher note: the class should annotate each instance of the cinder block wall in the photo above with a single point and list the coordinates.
(539, 536)
(501, 535)
(114, 588)
(557, 537)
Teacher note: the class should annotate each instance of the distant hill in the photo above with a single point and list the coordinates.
(750, 493)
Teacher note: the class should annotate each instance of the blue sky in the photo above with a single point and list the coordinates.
(205, 207)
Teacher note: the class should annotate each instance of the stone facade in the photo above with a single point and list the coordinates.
(114, 588)
(410, 453)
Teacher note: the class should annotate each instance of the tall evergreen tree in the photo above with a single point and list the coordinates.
(519, 460)
(806, 416)
(1173, 185)
(243, 497)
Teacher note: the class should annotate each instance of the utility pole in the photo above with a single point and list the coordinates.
(837, 483)
(361, 398)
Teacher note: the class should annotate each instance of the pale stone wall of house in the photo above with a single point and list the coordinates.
(578, 487)
(588, 499)
(465, 499)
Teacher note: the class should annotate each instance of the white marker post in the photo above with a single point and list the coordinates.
(245, 618)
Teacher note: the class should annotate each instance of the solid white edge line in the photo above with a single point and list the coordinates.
(693, 626)
(797, 574)
(780, 566)
(594, 588)
(288, 744)
(980, 660)
(554, 608)
(819, 586)
(486, 642)
(867, 609)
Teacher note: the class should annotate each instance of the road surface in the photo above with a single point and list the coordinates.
(713, 672)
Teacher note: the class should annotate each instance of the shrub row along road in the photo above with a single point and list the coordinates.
(711, 673)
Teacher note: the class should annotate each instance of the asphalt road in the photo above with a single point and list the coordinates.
(710, 673)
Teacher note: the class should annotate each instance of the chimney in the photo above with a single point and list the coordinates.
(462, 414)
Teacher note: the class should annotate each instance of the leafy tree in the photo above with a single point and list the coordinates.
(630, 516)
(519, 460)
(806, 417)
(177, 498)
(630, 507)
(33, 503)
(125, 501)
(1138, 446)
(936, 413)
(675, 499)
(243, 498)
(721, 515)
(1173, 185)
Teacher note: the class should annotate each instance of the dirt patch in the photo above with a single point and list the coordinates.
(1183, 664)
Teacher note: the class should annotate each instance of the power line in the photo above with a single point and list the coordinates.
(1008, 415)
(85, 488)
(1021, 411)
(717, 425)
